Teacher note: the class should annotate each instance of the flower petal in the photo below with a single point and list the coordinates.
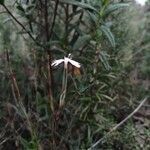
(74, 63)
(66, 60)
(57, 62)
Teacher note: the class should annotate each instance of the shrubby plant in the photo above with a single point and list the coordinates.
(49, 100)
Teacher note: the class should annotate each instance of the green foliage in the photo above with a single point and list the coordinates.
(108, 34)
(47, 107)
(114, 7)
(78, 4)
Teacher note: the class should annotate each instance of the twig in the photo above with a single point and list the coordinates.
(50, 83)
(15, 88)
(54, 18)
(8, 11)
(49, 58)
(46, 21)
(3, 12)
(2, 142)
(119, 124)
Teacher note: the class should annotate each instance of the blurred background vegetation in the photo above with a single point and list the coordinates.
(111, 40)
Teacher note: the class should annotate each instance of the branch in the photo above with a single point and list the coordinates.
(48, 35)
(20, 24)
(46, 22)
(119, 124)
(15, 88)
(54, 18)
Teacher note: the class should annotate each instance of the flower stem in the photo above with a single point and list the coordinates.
(64, 88)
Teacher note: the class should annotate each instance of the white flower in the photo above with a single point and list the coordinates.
(66, 60)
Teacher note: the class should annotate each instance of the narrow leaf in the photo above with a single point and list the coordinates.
(19, 7)
(79, 4)
(107, 97)
(103, 57)
(82, 41)
(108, 34)
(114, 7)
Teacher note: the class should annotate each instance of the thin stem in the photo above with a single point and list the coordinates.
(64, 88)
(20, 24)
(15, 88)
(54, 18)
(50, 95)
(17, 96)
(66, 24)
(49, 58)
(119, 124)
(46, 21)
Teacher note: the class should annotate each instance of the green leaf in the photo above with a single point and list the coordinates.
(108, 34)
(114, 7)
(107, 97)
(93, 17)
(81, 41)
(20, 8)
(103, 57)
(2, 2)
(79, 4)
